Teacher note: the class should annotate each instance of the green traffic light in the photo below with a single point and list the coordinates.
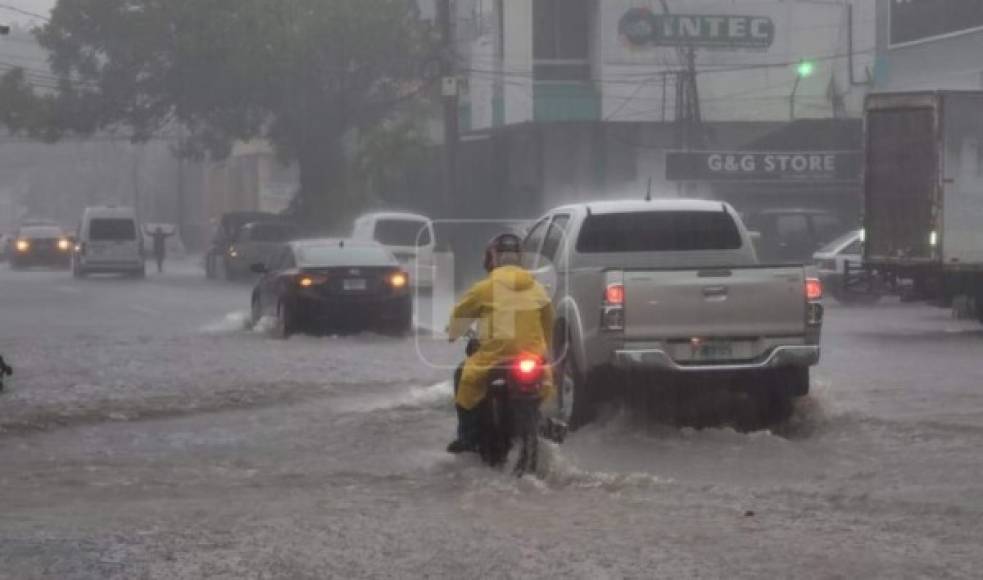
(805, 68)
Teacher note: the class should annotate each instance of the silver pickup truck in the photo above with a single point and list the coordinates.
(672, 286)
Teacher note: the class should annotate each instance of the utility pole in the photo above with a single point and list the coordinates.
(689, 118)
(180, 183)
(450, 95)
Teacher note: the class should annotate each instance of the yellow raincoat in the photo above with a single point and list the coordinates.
(514, 316)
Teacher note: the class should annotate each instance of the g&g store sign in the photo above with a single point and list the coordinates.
(810, 166)
(643, 27)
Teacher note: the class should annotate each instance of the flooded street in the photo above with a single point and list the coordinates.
(150, 433)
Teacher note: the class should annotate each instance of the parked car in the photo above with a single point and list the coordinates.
(109, 241)
(40, 246)
(322, 284)
(225, 236)
(832, 261)
(791, 235)
(671, 286)
(257, 243)
(410, 237)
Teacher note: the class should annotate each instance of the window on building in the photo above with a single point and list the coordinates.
(561, 46)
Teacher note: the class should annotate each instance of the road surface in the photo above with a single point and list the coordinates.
(150, 434)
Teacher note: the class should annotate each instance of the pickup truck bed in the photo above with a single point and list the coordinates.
(671, 285)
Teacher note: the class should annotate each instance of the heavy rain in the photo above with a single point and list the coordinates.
(491, 288)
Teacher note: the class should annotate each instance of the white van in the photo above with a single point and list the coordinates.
(109, 240)
(410, 237)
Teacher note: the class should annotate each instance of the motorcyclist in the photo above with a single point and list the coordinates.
(514, 316)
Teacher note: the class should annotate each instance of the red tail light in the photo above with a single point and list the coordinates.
(615, 294)
(528, 368)
(310, 280)
(814, 289)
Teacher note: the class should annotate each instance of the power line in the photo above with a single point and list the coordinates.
(23, 12)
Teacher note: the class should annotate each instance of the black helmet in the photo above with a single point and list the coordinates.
(501, 244)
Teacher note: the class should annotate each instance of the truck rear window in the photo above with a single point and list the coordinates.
(659, 231)
(112, 229)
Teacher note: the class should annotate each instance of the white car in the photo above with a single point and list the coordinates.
(831, 263)
(109, 240)
(410, 237)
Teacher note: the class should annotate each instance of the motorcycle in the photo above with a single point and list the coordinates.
(510, 412)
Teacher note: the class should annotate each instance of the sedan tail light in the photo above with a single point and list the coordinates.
(399, 280)
(310, 280)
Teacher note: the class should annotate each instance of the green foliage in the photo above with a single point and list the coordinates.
(300, 73)
(385, 154)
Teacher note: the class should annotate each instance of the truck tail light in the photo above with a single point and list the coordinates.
(814, 289)
(814, 308)
(613, 309)
(615, 295)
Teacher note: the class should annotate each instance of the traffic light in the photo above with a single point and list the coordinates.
(805, 68)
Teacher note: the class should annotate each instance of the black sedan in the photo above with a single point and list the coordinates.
(331, 284)
(40, 246)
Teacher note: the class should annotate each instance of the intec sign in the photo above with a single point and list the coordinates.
(641, 27)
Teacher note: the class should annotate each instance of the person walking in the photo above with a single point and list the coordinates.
(159, 237)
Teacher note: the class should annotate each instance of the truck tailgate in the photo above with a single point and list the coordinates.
(747, 302)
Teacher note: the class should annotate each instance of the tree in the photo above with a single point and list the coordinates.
(301, 73)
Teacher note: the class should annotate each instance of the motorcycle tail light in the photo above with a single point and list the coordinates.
(528, 370)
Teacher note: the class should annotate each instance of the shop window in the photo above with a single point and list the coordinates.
(561, 46)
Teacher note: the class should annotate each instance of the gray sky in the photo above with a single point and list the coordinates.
(38, 6)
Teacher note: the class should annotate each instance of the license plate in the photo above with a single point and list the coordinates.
(716, 351)
(354, 284)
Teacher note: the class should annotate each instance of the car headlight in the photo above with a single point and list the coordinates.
(23, 245)
(64, 245)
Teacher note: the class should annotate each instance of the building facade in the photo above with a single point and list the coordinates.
(580, 99)
(929, 45)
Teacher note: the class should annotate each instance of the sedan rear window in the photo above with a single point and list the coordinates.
(112, 229)
(659, 231)
(402, 233)
(330, 256)
(270, 233)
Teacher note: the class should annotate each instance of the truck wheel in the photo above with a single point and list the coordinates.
(793, 381)
(778, 391)
(574, 402)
